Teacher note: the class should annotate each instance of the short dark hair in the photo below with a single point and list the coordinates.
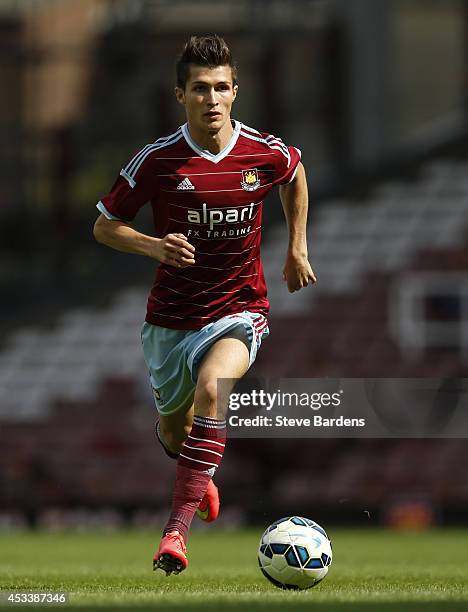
(210, 51)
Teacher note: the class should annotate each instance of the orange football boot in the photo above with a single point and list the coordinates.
(208, 510)
(172, 554)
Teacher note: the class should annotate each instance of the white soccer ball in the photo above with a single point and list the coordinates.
(295, 553)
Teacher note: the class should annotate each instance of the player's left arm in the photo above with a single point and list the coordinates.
(297, 271)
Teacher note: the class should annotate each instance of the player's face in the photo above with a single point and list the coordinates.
(208, 97)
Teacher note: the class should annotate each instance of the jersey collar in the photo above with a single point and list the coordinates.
(215, 158)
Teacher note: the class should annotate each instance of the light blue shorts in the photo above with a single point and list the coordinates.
(173, 356)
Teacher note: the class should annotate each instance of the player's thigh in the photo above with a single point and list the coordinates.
(225, 362)
(175, 427)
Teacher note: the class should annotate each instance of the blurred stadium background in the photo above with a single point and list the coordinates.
(376, 96)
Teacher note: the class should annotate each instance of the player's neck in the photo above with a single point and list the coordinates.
(214, 142)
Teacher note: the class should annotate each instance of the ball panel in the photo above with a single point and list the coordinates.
(279, 562)
(268, 552)
(263, 561)
(292, 558)
(318, 575)
(325, 559)
(302, 553)
(298, 520)
(279, 549)
(314, 564)
(277, 583)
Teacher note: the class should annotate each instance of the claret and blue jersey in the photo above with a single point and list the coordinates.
(215, 200)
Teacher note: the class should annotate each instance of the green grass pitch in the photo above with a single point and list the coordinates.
(372, 571)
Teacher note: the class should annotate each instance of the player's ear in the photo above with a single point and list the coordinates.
(234, 90)
(180, 95)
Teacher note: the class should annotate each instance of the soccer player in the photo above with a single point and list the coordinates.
(206, 314)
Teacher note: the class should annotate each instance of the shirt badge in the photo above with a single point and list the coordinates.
(250, 180)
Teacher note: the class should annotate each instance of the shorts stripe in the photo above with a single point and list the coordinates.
(261, 327)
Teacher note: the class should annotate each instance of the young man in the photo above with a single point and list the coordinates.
(206, 314)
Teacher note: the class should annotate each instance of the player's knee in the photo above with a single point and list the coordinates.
(206, 396)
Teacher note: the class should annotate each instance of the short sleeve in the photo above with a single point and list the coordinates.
(287, 159)
(134, 187)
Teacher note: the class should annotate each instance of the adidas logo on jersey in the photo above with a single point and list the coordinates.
(185, 184)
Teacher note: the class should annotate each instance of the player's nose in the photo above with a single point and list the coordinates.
(212, 97)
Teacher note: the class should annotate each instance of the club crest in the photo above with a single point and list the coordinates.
(250, 180)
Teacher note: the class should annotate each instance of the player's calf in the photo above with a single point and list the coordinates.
(172, 432)
(163, 442)
(172, 441)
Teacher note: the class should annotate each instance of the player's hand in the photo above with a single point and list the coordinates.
(297, 272)
(175, 250)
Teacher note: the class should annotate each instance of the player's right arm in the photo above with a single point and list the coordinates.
(135, 186)
(173, 249)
